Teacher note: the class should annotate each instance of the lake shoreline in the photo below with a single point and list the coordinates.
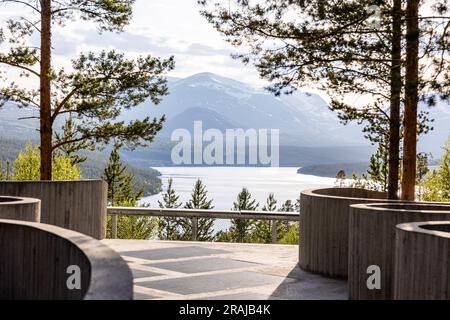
(224, 183)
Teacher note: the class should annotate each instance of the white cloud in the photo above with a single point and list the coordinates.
(159, 27)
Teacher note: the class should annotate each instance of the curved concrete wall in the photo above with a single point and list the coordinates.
(25, 209)
(372, 241)
(422, 261)
(73, 205)
(35, 259)
(323, 246)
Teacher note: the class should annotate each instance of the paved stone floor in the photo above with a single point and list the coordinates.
(201, 271)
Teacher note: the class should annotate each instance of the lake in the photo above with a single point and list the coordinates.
(224, 183)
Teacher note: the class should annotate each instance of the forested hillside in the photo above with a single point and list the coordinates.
(92, 168)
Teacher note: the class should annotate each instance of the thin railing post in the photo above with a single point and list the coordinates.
(274, 231)
(194, 229)
(114, 226)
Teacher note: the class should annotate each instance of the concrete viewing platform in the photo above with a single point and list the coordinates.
(213, 271)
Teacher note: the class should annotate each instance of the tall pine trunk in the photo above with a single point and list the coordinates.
(411, 100)
(46, 132)
(396, 88)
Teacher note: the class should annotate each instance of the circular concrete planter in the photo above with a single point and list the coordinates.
(324, 215)
(422, 261)
(44, 262)
(372, 241)
(75, 205)
(25, 209)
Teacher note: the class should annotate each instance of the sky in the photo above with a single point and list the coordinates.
(161, 28)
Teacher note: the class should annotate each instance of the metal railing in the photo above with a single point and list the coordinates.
(195, 214)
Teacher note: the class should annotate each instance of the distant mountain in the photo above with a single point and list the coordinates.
(331, 170)
(21, 123)
(12, 127)
(159, 155)
(302, 118)
(210, 120)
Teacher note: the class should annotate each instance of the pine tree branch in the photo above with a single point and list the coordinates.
(16, 65)
(80, 139)
(301, 35)
(61, 105)
(21, 2)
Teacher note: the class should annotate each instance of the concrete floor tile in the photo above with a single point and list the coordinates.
(211, 283)
(203, 265)
(172, 253)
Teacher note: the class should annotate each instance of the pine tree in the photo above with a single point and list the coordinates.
(422, 170)
(121, 193)
(199, 200)
(289, 231)
(240, 230)
(95, 91)
(359, 182)
(378, 169)
(169, 228)
(288, 206)
(409, 164)
(68, 132)
(436, 185)
(297, 204)
(271, 203)
(340, 179)
(395, 96)
(291, 236)
(3, 174)
(262, 232)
